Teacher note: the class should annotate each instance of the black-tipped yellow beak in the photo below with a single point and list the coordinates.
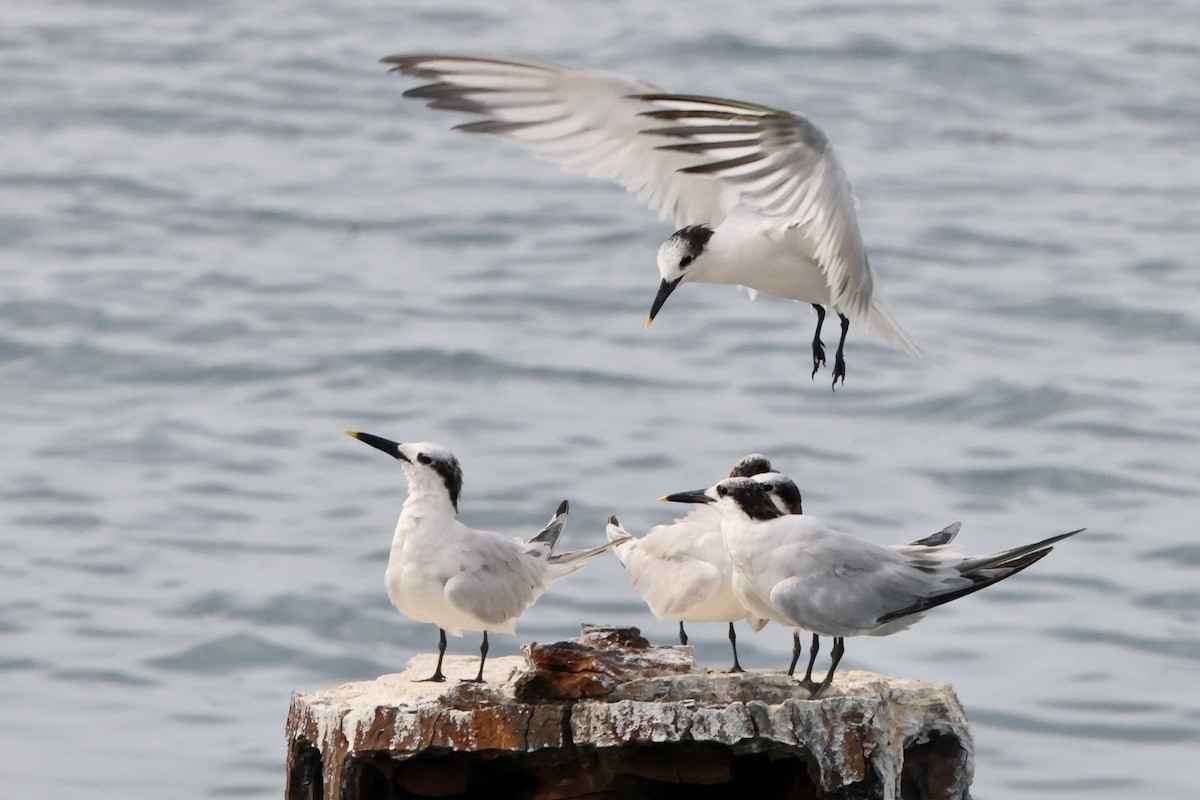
(380, 443)
(696, 496)
(664, 291)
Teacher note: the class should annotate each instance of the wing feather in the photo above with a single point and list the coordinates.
(584, 121)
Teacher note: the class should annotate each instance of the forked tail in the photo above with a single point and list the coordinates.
(880, 322)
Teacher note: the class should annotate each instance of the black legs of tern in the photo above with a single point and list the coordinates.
(839, 363)
(818, 349)
(483, 650)
(437, 675)
(737, 667)
(807, 680)
(839, 648)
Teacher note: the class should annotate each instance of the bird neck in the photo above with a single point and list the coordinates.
(736, 531)
(426, 511)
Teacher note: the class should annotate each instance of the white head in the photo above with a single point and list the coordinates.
(430, 468)
(680, 258)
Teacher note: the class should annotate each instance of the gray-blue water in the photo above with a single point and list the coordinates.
(225, 238)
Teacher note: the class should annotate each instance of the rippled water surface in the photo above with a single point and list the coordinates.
(224, 238)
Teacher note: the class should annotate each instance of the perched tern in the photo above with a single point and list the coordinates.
(682, 570)
(758, 195)
(798, 572)
(786, 497)
(458, 578)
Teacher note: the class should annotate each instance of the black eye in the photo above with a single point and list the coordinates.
(424, 459)
(683, 262)
(721, 490)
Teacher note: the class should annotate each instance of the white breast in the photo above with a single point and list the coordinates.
(764, 257)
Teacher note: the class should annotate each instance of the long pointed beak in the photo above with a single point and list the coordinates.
(664, 291)
(380, 443)
(694, 496)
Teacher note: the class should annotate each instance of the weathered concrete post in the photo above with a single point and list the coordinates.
(610, 716)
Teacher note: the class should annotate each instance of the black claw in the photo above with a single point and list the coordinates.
(839, 371)
(436, 677)
(818, 358)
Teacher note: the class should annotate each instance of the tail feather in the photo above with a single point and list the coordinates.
(579, 555)
(880, 322)
(944, 536)
(976, 563)
(982, 579)
(617, 536)
(548, 535)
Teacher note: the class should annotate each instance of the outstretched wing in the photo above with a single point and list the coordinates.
(584, 121)
(780, 166)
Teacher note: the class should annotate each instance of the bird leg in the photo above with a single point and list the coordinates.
(839, 363)
(483, 651)
(818, 349)
(838, 649)
(796, 650)
(807, 682)
(812, 659)
(682, 633)
(437, 676)
(733, 641)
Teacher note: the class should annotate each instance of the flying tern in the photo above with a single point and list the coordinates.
(443, 572)
(798, 572)
(758, 195)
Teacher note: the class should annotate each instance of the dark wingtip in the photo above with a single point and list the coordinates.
(563, 508)
(614, 521)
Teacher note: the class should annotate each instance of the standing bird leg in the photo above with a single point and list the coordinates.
(838, 649)
(682, 633)
(807, 680)
(733, 641)
(796, 650)
(483, 650)
(437, 676)
(812, 659)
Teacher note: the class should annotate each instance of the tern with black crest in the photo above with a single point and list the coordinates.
(758, 195)
(442, 572)
(799, 572)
